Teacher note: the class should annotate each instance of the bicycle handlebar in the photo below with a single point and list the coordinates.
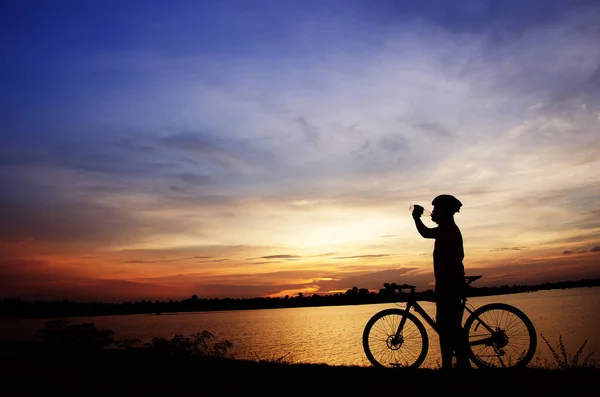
(400, 288)
(412, 288)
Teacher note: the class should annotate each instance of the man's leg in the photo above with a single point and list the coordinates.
(443, 309)
(459, 337)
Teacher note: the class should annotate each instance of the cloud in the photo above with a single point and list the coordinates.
(279, 256)
(393, 143)
(17, 241)
(196, 179)
(41, 280)
(310, 131)
(433, 127)
(310, 135)
(215, 260)
(243, 290)
(276, 283)
(507, 249)
(502, 20)
(78, 222)
(228, 154)
(325, 254)
(362, 256)
(375, 280)
(538, 271)
(170, 260)
(595, 249)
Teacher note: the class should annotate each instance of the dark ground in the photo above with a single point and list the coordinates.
(27, 369)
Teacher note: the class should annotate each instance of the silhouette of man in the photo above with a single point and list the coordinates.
(448, 254)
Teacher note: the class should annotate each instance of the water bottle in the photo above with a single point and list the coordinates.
(425, 211)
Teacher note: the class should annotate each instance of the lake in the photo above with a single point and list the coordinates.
(333, 335)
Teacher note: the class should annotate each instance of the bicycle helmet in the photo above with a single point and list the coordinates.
(447, 202)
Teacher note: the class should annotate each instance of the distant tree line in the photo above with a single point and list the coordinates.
(19, 308)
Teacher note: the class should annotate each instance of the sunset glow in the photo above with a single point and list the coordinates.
(155, 150)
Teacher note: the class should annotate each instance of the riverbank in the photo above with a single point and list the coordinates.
(32, 369)
(21, 309)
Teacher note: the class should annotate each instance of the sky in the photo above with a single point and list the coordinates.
(159, 149)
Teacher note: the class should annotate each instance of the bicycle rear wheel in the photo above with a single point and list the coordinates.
(500, 336)
(382, 347)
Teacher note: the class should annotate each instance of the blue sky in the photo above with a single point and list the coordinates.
(162, 147)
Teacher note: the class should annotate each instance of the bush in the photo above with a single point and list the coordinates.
(83, 337)
(86, 337)
(196, 345)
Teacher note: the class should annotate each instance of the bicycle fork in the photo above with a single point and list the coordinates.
(398, 339)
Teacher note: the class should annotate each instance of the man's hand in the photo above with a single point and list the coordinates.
(417, 211)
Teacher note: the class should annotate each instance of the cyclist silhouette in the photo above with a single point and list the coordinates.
(448, 254)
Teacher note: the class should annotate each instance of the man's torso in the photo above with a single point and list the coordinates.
(448, 253)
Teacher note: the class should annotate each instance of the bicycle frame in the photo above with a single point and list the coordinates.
(413, 302)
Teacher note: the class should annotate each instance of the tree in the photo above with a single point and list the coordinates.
(353, 291)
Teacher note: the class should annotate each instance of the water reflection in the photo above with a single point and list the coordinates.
(332, 335)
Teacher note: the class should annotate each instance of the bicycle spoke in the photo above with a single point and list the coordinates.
(500, 336)
(382, 346)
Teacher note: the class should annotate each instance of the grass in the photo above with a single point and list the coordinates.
(565, 361)
(285, 359)
(39, 369)
(28, 369)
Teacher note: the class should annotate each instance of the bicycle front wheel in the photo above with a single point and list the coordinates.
(386, 348)
(500, 336)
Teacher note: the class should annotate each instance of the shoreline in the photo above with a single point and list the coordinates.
(10, 308)
(32, 369)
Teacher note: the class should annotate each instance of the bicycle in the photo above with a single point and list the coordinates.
(499, 335)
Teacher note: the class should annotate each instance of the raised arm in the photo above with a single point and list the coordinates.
(423, 230)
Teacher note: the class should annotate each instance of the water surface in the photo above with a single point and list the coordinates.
(333, 335)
